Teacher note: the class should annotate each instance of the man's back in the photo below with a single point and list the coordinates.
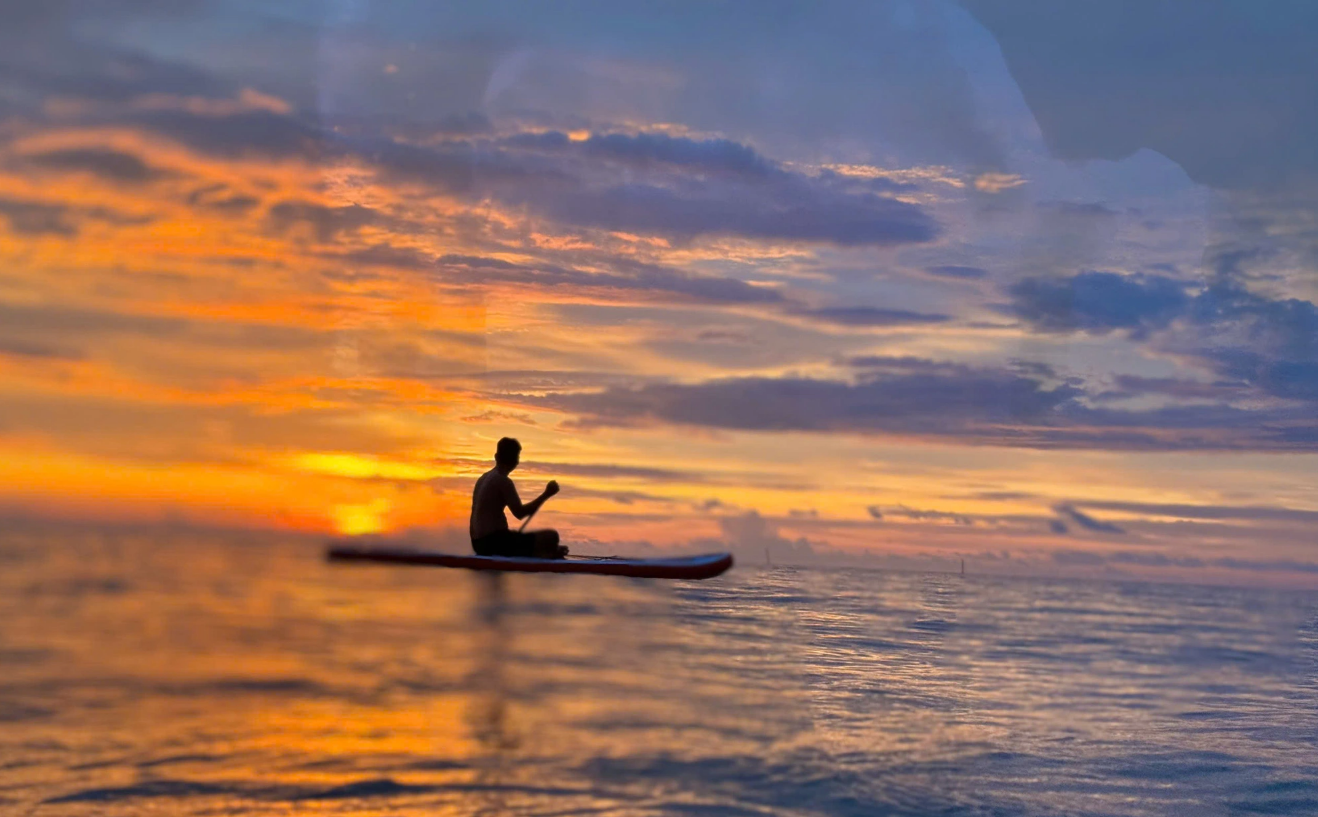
(491, 496)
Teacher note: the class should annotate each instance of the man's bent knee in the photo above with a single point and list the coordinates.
(546, 544)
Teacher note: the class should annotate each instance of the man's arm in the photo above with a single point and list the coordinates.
(514, 502)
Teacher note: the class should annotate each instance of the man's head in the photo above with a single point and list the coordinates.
(508, 453)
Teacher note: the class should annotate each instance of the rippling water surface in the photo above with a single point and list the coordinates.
(190, 675)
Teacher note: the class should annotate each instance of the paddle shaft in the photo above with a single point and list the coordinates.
(531, 516)
(527, 521)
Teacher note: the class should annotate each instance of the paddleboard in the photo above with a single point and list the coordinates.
(703, 566)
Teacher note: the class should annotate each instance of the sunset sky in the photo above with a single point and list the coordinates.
(909, 282)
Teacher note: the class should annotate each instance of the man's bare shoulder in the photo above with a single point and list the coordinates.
(493, 477)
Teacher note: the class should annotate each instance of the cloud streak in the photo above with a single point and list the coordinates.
(913, 397)
(475, 271)
(1084, 520)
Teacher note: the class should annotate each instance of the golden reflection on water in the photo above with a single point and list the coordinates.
(180, 674)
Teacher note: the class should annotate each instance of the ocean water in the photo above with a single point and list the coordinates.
(181, 674)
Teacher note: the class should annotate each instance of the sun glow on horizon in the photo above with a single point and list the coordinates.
(356, 520)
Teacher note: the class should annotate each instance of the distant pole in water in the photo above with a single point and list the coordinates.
(963, 567)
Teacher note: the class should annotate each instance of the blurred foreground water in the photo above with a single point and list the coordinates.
(186, 675)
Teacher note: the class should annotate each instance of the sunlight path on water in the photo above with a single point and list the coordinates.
(185, 674)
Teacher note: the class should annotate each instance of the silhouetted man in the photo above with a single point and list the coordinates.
(494, 492)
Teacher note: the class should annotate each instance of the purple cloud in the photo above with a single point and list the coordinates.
(913, 397)
(113, 165)
(1099, 303)
(29, 217)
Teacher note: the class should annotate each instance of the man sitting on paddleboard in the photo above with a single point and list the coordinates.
(494, 492)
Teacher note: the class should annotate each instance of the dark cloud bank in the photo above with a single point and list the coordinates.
(655, 184)
(678, 187)
(1256, 345)
(921, 398)
(1098, 302)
